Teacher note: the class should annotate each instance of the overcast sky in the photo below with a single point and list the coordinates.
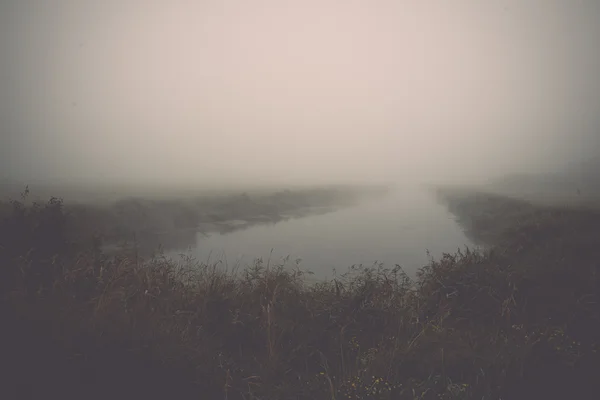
(307, 91)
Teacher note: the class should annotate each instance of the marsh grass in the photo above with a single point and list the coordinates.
(175, 220)
(518, 321)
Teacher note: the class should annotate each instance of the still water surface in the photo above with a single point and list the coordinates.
(397, 229)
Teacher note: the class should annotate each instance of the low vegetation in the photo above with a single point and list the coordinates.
(519, 320)
(151, 221)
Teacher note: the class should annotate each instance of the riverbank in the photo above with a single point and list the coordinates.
(149, 222)
(519, 321)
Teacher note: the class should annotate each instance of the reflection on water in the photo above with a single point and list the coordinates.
(398, 229)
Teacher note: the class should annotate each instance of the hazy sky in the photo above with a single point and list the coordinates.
(275, 91)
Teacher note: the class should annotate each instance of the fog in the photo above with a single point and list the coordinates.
(273, 92)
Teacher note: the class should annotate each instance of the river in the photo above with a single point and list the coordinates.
(397, 229)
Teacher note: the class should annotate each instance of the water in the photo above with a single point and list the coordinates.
(398, 229)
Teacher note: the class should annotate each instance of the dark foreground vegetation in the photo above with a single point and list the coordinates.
(518, 321)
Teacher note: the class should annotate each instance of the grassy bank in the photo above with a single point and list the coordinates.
(155, 220)
(519, 321)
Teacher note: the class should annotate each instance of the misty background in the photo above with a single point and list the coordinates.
(270, 92)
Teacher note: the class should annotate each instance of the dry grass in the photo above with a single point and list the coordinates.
(520, 321)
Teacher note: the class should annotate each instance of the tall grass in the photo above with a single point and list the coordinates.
(520, 321)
